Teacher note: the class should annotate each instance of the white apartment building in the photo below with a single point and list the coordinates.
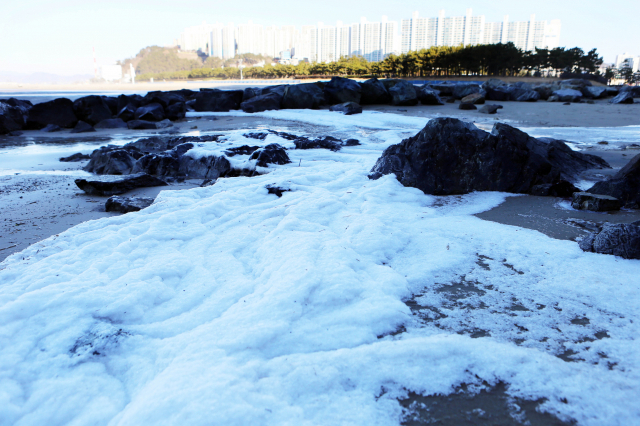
(318, 43)
(421, 33)
(625, 60)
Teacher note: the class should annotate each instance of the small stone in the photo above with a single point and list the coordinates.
(595, 202)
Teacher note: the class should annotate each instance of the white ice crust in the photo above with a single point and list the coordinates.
(229, 305)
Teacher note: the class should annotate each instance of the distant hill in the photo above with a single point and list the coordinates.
(156, 59)
(42, 78)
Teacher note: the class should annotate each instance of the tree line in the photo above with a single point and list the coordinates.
(479, 60)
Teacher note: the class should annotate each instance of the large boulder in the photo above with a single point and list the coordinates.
(115, 185)
(303, 96)
(403, 93)
(594, 202)
(474, 99)
(575, 83)
(134, 100)
(621, 239)
(150, 112)
(634, 90)
(127, 113)
(624, 185)
(341, 90)
(595, 92)
(58, 111)
(163, 98)
(347, 108)
(13, 115)
(176, 111)
(450, 156)
(462, 90)
(217, 100)
(268, 101)
(113, 160)
(622, 98)
(374, 92)
(92, 109)
(568, 95)
(83, 127)
(112, 103)
(545, 90)
(429, 96)
(127, 204)
(529, 96)
(518, 89)
(444, 89)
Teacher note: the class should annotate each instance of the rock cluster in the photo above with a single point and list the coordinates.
(622, 239)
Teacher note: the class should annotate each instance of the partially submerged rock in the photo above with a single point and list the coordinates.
(127, 204)
(624, 185)
(113, 160)
(347, 108)
(450, 156)
(327, 142)
(115, 185)
(75, 158)
(622, 239)
(595, 202)
(489, 109)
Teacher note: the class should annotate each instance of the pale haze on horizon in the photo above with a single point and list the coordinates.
(59, 36)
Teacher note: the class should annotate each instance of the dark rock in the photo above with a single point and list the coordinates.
(127, 204)
(347, 108)
(544, 90)
(342, 90)
(217, 100)
(553, 98)
(328, 142)
(303, 96)
(112, 103)
(561, 188)
(161, 164)
(256, 135)
(403, 93)
(474, 98)
(150, 112)
(450, 100)
(157, 144)
(83, 127)
(624, 185)
(127, 113)
(111, 123)
(276, 190)
(352, 142)
(207, 182)
(621, 239)
(634, 90)
(112, 160)
(165, 99)
(595, 202)
(268, 101)
(450, 156)
(75, 158)
(493, 83)
(211, 167)
(176, 111)
(489, 109)
(568, 95)
(567, 103)
(241, 150)
(622, 98)
(134, 100)
(576, 82)
(374, 92)
(58, 111)
(529, 96)
(271, 154)
(444, 89)
(115, 185)
(462, 90)
(13, 115)
(51, 128)
(464, 106)
(518, 89)
(501, 93)
(91, 109)
(429, 96)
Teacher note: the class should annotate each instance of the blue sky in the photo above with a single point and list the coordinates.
(58, 36)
